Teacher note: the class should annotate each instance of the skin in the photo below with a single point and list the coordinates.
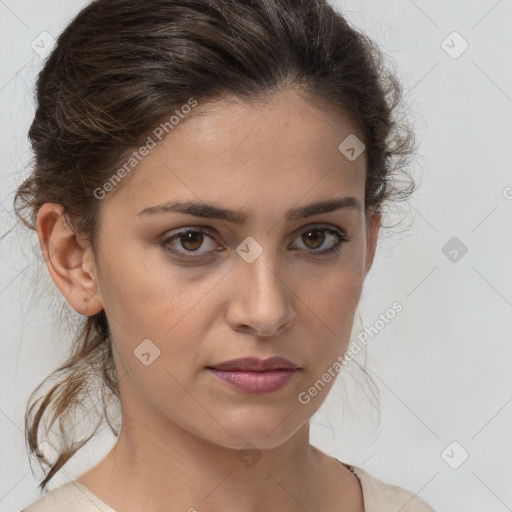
(182, 427)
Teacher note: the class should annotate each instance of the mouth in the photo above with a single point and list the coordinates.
(253, 364)
(255, 376)
(255, 382)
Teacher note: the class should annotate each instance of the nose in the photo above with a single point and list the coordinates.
(262, 301)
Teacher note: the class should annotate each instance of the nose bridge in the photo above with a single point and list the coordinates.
(259, 268)
(264, 295)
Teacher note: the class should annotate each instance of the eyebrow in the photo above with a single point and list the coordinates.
(212, 211)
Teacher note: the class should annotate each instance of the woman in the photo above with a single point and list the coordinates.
(208, 189)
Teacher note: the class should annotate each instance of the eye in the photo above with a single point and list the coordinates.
(315, 237)
(190, 240)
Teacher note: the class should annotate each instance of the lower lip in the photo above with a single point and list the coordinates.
(255, 382)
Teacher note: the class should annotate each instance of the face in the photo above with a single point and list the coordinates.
(184, 292)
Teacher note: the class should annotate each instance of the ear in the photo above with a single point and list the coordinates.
(69, 261)
(372, 230)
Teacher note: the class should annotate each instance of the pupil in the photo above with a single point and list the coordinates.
(308, 239)
(189, 237)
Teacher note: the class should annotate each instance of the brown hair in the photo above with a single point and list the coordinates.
(122, 66)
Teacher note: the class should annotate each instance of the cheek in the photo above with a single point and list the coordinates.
(330, 311)
(151, 302)
(335, 293)
(148, 295)
(333, 310)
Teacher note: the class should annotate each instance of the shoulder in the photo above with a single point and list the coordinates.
(379, 496)
(69, 497)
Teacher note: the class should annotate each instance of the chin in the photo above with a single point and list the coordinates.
(265, 435)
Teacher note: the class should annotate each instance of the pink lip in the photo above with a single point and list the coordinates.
(255, 382)
(254, 364)
(255, 376)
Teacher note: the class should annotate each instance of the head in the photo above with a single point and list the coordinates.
(177, 160)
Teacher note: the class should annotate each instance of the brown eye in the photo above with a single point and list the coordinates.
(317, 237)
(313, 238)
(190, 241)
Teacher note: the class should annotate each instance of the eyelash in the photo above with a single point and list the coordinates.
(341, 239)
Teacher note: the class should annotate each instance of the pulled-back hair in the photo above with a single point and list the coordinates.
(122, 67)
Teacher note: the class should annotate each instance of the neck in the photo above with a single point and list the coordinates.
(157, 465)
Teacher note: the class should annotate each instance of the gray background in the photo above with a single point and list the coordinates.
(443, 365)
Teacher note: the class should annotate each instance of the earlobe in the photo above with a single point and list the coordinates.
(69, 262)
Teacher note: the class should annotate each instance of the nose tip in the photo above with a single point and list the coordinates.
(262, 304)
(264, 333)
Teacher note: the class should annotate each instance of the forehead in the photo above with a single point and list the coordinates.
(280, 149)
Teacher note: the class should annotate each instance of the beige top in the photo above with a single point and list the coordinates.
(377, 497)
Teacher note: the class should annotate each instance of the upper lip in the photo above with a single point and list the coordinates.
(255, 364)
